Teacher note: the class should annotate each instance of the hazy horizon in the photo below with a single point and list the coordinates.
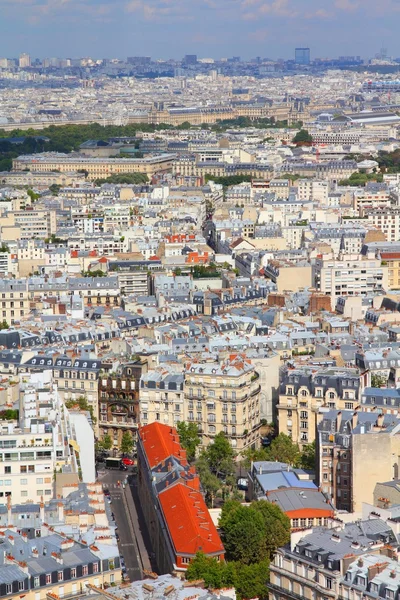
(209, 28)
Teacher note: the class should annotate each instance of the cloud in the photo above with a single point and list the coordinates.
(346, 5)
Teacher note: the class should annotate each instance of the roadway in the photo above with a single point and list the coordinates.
(124, 514)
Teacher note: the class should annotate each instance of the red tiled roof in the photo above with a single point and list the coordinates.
(190, 526)
(161, 441)
(390, 255)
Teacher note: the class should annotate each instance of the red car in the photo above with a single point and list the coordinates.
(128, 462)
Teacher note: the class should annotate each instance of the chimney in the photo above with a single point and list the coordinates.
(60, 509)
(379, 421)
(354, 420)
(41, 509)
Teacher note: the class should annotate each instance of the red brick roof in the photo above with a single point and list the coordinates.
(190, 526)
(390, 255)
(161, 441)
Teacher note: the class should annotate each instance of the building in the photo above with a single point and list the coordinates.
(97, 168)
(292, 490)
(175, 513)
(304, 391)
(119, 401)
(162, 398)
(224, 397)
(302, 56)
(355, 450)
(314, 565)
(349, 275)
(24, 61)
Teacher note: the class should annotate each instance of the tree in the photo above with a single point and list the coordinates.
(4, 248)
(308, 458)
(106, 442)
(284, 450)
(55, 188)
(189, 438)
(220, 455)
(378, 381)
(126, 443)
(209, 482)
(243, 533)
(251, 580)
(252, 455)
(4, 325)
(302, 137)
(216, 574)
(33, 195)
(276, 525)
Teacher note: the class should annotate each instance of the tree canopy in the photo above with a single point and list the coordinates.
(126, 443)
(302, 137)
(243, 533)
(189, 438)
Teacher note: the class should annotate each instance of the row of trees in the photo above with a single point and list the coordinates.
(128, 178)
(126, 445)
(283, 449)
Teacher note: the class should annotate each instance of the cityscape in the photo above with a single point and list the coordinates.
(200, 307)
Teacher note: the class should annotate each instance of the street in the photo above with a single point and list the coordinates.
(125, 521)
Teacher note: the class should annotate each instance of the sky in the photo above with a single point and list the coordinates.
(208, 28)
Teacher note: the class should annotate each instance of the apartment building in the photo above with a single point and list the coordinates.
(308, 189)
(314, 565)
(174, 510)
(224, 397)
(31, 223)
(372, 196)
(14, 300)
(350, 275)
(162, 398)
(304, 391)
(385, 219)
(119, 401)
(76, 377)
(289, 275)
(356, 450)
(97, 168)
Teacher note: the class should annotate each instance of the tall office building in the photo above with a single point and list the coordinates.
(190, 59)
(24, 60)
(302, 56)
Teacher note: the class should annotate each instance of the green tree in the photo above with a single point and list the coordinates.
(253, 455)
(276, 525)
(378, 381)
(220, 455)
(4, 325)
(33, 195)
(126, 443)
(302, 137)
(251, 580)
(106, 442)
(4, 248)
(189, 438)
(209, 482)
(216, 575)
(55, 188)
(308, 458)
(243, 533)
(284, 450)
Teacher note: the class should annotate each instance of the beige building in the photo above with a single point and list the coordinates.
(289, 276)
(224, 397)
(97, 168)
(14, 300)
(304, 391)
(161, 398)
(349, 275)
(31, 223)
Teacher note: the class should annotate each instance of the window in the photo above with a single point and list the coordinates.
(331, 394)
(36, 582)
(23, 481)
(24, 493)
(47, 492)
(84, 570)
(39, 492)
(48, 579)
(95, 567)
(20, 585)
(8, 588)
(39, 480)
(73, 573)
(7, 470)
(348, 405)
(60, 576)
(328, 583)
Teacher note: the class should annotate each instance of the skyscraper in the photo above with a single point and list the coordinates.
(302, 56)
(24, 60)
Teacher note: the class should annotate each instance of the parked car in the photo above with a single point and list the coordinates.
(129, 462)
(242, 484)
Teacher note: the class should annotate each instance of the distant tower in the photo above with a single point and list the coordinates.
(302, 56)
(24, 61)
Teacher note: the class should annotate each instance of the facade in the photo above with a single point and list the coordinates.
(97, 168)
(304, 391)
(119, 401)
(174, 510)
(162, 398)
(349, 275)
(224, 397)
(314, 565)
(355, 450)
